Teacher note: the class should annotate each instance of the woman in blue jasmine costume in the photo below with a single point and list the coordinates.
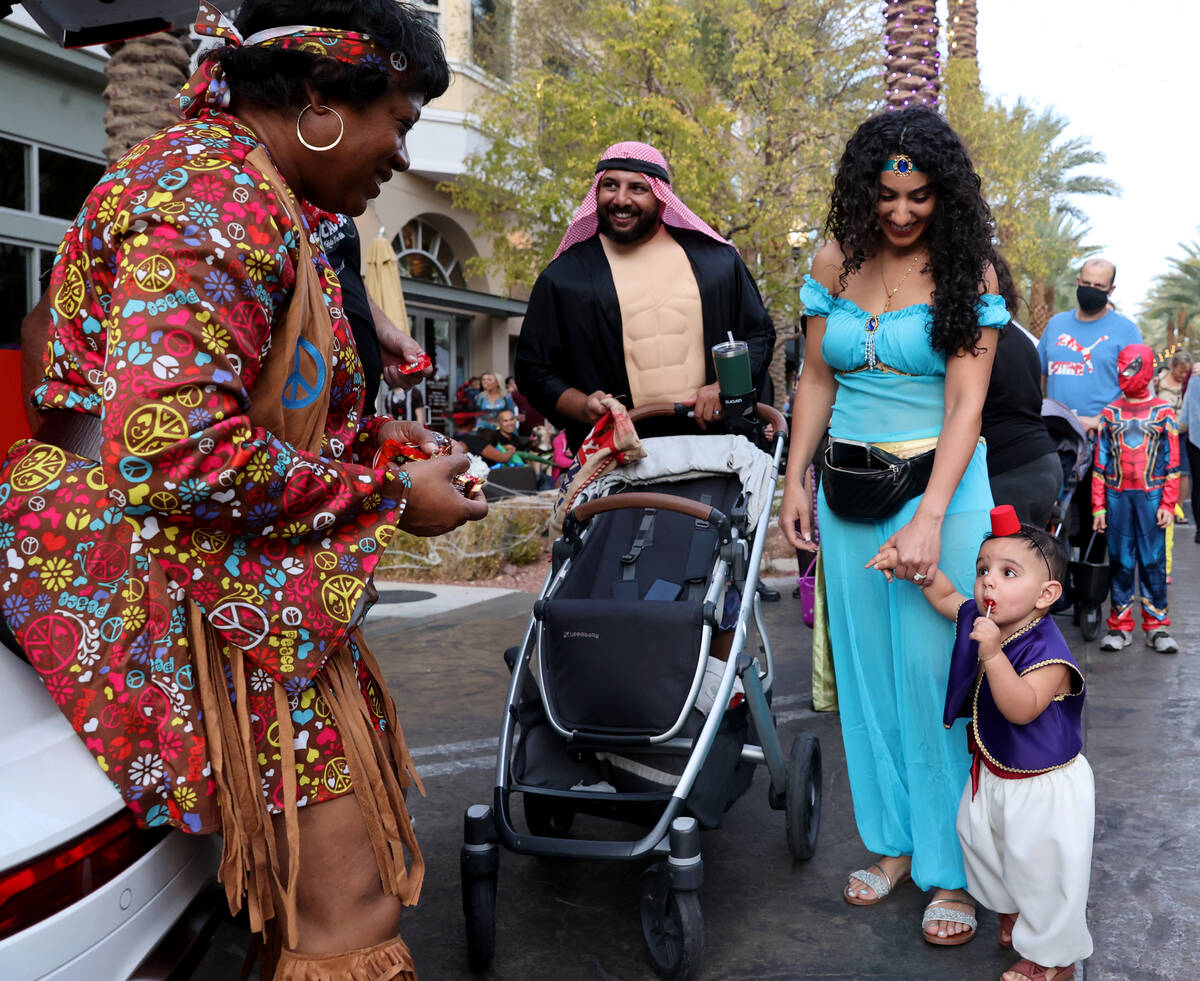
(903, 321)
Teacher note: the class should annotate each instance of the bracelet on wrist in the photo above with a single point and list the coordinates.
(984, 660)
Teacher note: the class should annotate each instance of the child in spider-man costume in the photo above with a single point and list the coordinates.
(1135, 485)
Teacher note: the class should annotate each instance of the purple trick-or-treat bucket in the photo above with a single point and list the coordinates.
(808, 591)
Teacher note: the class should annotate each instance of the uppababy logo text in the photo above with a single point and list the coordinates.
(574, 634)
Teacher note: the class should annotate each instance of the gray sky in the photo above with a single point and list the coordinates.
(1125, 76)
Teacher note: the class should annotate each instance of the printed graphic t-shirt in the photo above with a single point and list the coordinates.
(1079, 359)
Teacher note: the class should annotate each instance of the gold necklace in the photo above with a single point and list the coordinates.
(872, 324)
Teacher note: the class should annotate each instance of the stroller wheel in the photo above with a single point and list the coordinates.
(479, 867)
(1089, 622)
(547, 817)
(804, 796)
(672, 926)
(479, 912)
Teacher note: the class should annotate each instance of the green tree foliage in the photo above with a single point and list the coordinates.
(1174, 297)
(751, 102)
(1031, 175)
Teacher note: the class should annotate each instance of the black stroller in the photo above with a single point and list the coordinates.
(616, 708)
(1087, 573)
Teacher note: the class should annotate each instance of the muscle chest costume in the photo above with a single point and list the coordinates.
(1027, 813)
(1136, 471)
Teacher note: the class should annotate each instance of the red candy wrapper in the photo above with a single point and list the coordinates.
(392, 450)
(414, 367)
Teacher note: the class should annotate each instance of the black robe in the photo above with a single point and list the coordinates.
(572, 336)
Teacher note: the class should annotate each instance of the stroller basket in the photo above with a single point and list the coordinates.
(620, 641)
(608, 665)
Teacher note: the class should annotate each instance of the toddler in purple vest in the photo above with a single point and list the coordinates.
(1027, 813)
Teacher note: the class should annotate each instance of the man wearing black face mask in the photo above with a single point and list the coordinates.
(1079, 348)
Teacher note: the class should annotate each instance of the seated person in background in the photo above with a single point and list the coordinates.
(504, 446)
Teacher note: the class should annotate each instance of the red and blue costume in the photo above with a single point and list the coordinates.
(1136, 473)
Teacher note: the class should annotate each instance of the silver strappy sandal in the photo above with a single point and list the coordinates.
(880, 884)
(951, 916)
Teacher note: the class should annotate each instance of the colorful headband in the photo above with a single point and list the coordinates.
(902, 164)
(208, 85)
(647, 167)
(1006, 524)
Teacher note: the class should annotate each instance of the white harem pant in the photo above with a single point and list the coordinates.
(1027, 846)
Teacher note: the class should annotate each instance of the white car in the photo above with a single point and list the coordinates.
(85, 894)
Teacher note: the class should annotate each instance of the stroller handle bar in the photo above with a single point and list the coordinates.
(767, 412)
(647, 499)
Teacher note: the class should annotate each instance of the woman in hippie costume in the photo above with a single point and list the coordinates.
(903, 321)
(191, 536)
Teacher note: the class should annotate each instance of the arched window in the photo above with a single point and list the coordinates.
(422, 253)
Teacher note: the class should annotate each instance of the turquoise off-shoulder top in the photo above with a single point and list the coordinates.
(903, 396)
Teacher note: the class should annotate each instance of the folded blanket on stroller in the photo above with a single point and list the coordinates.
(668, 459)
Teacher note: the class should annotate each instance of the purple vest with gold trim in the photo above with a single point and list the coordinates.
(1051, 740)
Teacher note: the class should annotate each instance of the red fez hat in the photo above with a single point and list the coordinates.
(1005, 521)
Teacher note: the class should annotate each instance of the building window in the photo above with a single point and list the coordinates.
(491, 36)
(46, 184)
(422, 253)
(14, 175)
(64, 182)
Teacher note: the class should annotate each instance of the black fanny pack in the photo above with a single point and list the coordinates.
(864, 483)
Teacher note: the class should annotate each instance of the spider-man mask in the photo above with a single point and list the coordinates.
(1135, 368)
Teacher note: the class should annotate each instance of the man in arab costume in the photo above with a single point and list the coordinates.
(639, 291)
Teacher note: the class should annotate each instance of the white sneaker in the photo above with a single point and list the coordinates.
(1162, 642)
(1117, 640)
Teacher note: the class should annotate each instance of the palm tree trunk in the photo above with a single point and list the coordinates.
(964, 21)
(962, 94)
(912, 67)
(144, 74)
(1041, 307)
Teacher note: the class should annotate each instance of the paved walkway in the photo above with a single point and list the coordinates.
(773, 919)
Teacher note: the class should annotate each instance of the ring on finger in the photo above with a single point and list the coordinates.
(918, 577)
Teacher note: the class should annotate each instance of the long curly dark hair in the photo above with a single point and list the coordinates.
(960, 232)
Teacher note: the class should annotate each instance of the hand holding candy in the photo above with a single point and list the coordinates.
(416, 365)
(392, 450)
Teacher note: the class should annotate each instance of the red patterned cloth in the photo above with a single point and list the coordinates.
(584, 224)
(612, 442)
(165, 292)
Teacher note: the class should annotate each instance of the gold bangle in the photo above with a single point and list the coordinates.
(984, 660)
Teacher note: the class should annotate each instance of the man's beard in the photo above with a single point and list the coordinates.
(640, 229)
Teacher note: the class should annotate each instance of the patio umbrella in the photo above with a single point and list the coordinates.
(382, 279)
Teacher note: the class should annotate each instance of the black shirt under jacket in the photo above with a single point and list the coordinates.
(1013, 426)
(572, 336)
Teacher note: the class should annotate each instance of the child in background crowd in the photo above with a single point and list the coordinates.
(1135, 485)
(1027, 813)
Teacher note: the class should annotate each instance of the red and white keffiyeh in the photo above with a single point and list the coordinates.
(674, 212)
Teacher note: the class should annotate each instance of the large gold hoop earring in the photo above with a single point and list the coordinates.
(311, 146)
